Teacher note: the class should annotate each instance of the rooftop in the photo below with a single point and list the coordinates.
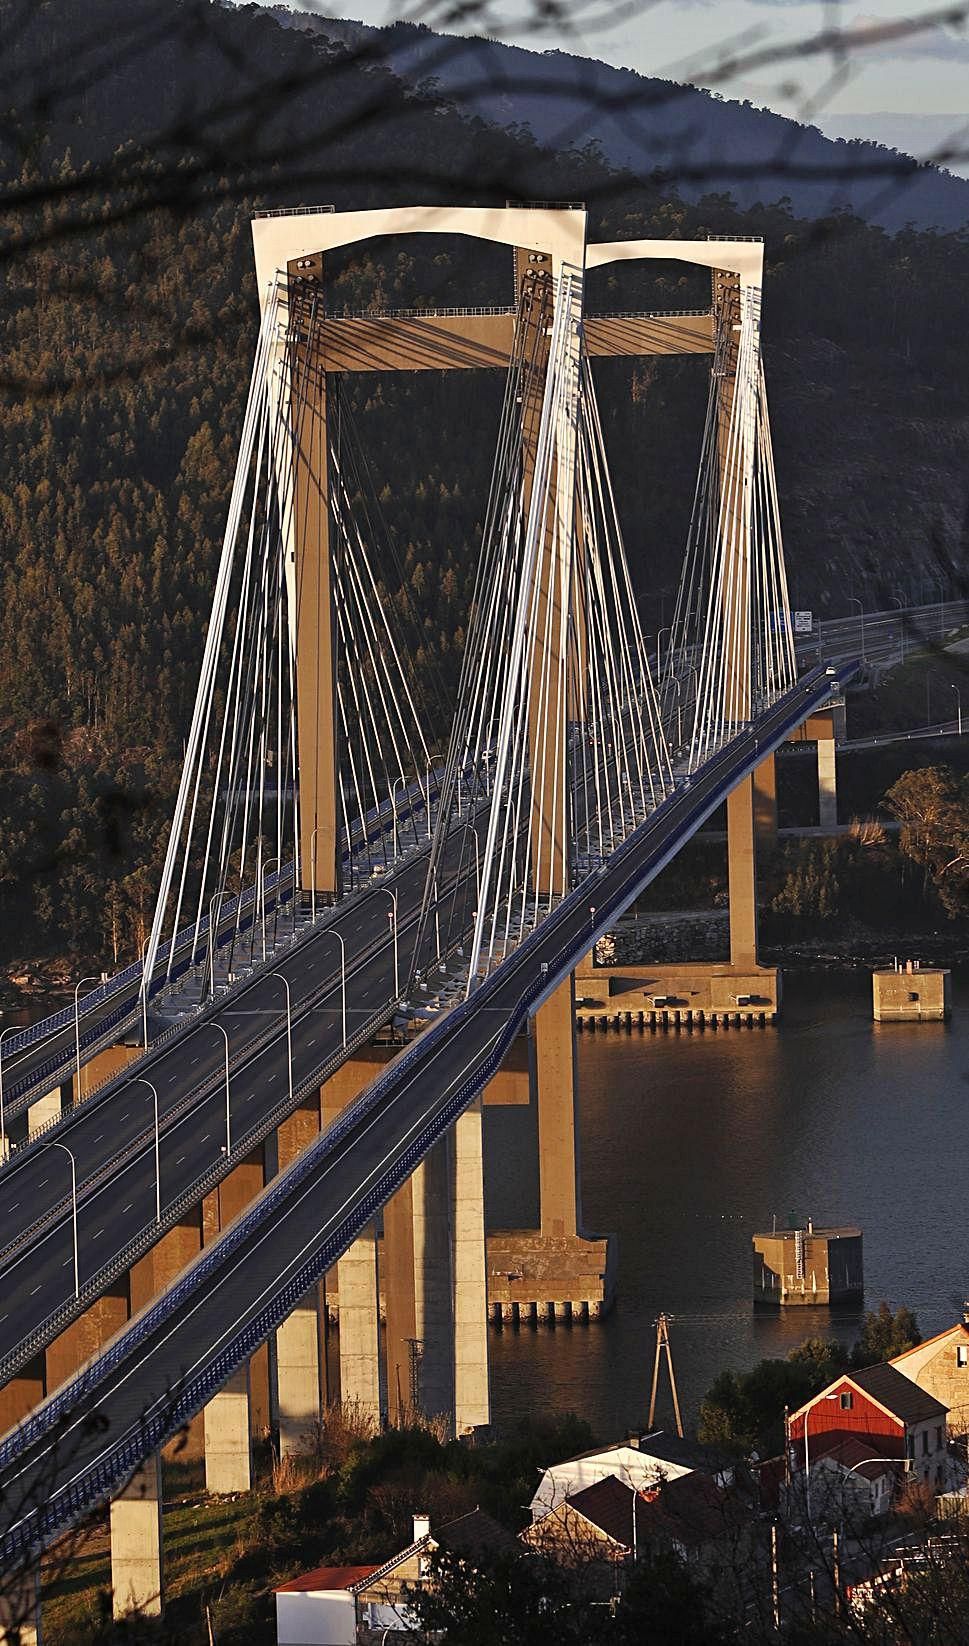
(898, 1394)
(324, 1579)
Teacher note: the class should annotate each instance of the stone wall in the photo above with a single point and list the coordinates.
(703, 934)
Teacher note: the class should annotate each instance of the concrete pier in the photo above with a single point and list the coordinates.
(300, 1401)
(20, 1609)
(472, 1396)
(41, 1114)
(137, 1579)
(360, 1328)
(300, 1360)
(228, 1437)
(911, 993)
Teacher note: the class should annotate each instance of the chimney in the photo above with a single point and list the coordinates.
(422, 1527)
(965, 1312)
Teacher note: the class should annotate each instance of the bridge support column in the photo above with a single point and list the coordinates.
(417, 1287)
(149, 1276)
(357, 1279)
(219, 1209)
(46, 1109)
(553, 1080)
(300, 1361)
(765, 802)
(827, 783)
(472, 1395)
(20, 1608)
(742, 876)
(228, 1437)
(85, 1336)
(360, 1328)
(25, 1391)
(136, 1544)
(298, 1377)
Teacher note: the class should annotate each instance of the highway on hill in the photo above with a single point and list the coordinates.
(162, 1368)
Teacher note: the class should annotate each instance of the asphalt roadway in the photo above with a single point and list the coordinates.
(112, 1136)
(168, 1362)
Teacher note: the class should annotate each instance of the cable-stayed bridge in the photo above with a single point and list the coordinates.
(349, 849)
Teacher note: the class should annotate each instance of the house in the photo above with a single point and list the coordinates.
(640, 1461)
(940, 1366)
(611, 1521)
(878, 1405)
(344, 1605)
(852, 1472)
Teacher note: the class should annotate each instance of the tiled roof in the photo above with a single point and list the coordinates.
(324, 1579)
(689, 1509)
(858, 1455)
(898, 1394)
(475, 1534)
(608, 1504)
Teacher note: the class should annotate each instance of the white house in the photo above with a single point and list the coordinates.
(639, 1463)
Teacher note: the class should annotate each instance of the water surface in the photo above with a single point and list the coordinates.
(691, 1142)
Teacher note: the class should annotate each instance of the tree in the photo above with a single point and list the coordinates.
(932, 805)
(884, 1335)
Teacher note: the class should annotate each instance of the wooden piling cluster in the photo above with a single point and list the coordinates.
(673, 1017)
(568, 1313)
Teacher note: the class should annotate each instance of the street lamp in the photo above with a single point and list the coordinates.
(3, 1129)
(70, 1156)
(807, 1460)
(402, 781)
(289, 1027)
(77, 1028)
(215, 898)
(392, 917)
(144, 987)
(343, 977)
(856, 602)
(228, 1123)
(263, 888)
(140, 1079)
(954, 688)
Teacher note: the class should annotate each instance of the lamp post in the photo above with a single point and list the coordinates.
(77, 1027)
(954, 688)
(142, 1081)
(228, 1123)
(807, 1459)
(215, 898)
(659, 654)
(343, 978)
(70, 1155)
(263, 882)
(861, 610)
(289, 1028)
(144, 988)
(392, 917)
(393, 813)
(3, 1128)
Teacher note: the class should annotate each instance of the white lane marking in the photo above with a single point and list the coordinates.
(179, 1160)
(242, 1257)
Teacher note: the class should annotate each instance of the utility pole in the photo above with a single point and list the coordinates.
(662, 1325)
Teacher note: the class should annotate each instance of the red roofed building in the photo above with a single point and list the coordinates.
(863, 1417)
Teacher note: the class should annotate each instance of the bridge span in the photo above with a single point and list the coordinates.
(164, 1367)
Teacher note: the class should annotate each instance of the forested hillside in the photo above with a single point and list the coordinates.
(127, 321)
